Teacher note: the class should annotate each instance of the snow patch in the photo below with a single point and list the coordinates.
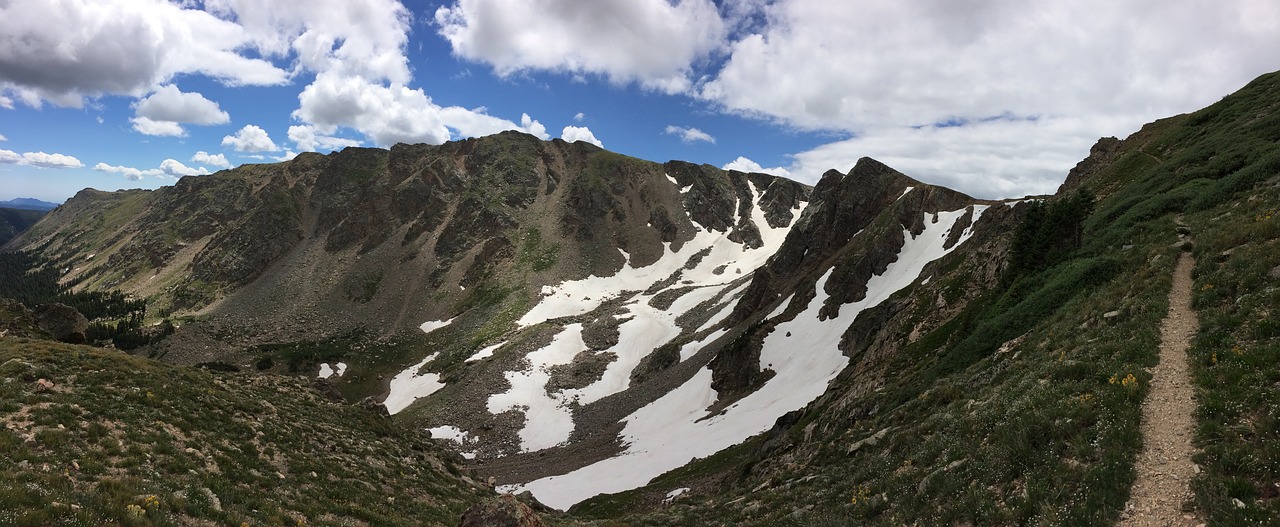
(432, 325)
(408, 386)
(327, 371)
(485, 353)
(548, 422)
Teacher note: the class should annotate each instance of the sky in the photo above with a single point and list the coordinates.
(996, 98)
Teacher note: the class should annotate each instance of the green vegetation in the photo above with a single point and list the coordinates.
(535, 253)
(127, 441)
(1236, 359)
(114, 317)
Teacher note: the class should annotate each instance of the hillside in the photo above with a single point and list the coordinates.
(96, 437)
(1017, 409)
(14, 221)
(709, 347)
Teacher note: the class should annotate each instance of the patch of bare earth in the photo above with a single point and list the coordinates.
(1164, 466)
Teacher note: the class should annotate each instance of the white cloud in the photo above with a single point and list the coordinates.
(288, 154)
(251, 138)
(129, 173)
(580, 133)
(39, 159)
(163, 111)
(358, 38)
(308, 140)
(3, 138)
(169, 169)
(394, 114)
(165, 128)
(174, 168)
(578, 117)
(886, 72)
(743, 164)
(689, 135)
(217, 160)
(653, 42)
(117, 47)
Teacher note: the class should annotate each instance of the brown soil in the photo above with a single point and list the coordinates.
(1164, 466)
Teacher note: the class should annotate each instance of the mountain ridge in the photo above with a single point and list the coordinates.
(676, 344)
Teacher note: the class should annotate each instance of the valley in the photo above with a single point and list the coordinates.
(619, 340)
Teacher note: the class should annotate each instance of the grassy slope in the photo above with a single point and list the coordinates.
(1045, 431)
(125, 440)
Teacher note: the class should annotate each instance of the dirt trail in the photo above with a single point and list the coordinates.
(1164, 466)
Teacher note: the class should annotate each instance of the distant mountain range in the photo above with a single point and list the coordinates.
(27, 204)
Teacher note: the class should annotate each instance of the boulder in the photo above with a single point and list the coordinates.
(63, 322)
(502, 511)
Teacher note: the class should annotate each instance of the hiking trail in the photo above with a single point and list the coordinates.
(1164, 467)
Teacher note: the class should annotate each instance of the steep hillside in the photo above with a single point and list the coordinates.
(1023, 407)
(96, 437)
(14, 221)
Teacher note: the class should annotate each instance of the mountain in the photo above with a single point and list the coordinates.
(28, 204)
(14, 221)
(677, 344)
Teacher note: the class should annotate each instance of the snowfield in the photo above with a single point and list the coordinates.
(675, 429)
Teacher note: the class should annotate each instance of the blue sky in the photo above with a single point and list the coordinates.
(996, 98)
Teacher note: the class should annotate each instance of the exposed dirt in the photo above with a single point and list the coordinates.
(1164, 466)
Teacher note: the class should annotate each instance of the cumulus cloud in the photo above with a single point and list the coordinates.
(117, 47)
(952, 89)
(251, 138)
(217, 160)
(743, 164)
(129, 173)
(689, 135)
(307, 139)
(163, 112)
(653, 42)
(394, 114)
(174, 168)
(147, 126)
(39, 159)
(168, 169)
(580, 133)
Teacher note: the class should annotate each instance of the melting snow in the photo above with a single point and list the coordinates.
(408, 386)
(675, 429)
(547, 422)
(455, 434)
(432, 325)
(327, 371)
(452, 433)
(485, 353)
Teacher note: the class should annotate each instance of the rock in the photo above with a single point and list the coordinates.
(503, 511)
(1274, 273)
(1111, 314)
(1236, 501)
(43, 385)
(372, 404)
(872, 440)
(63, 322)
(328, 390)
